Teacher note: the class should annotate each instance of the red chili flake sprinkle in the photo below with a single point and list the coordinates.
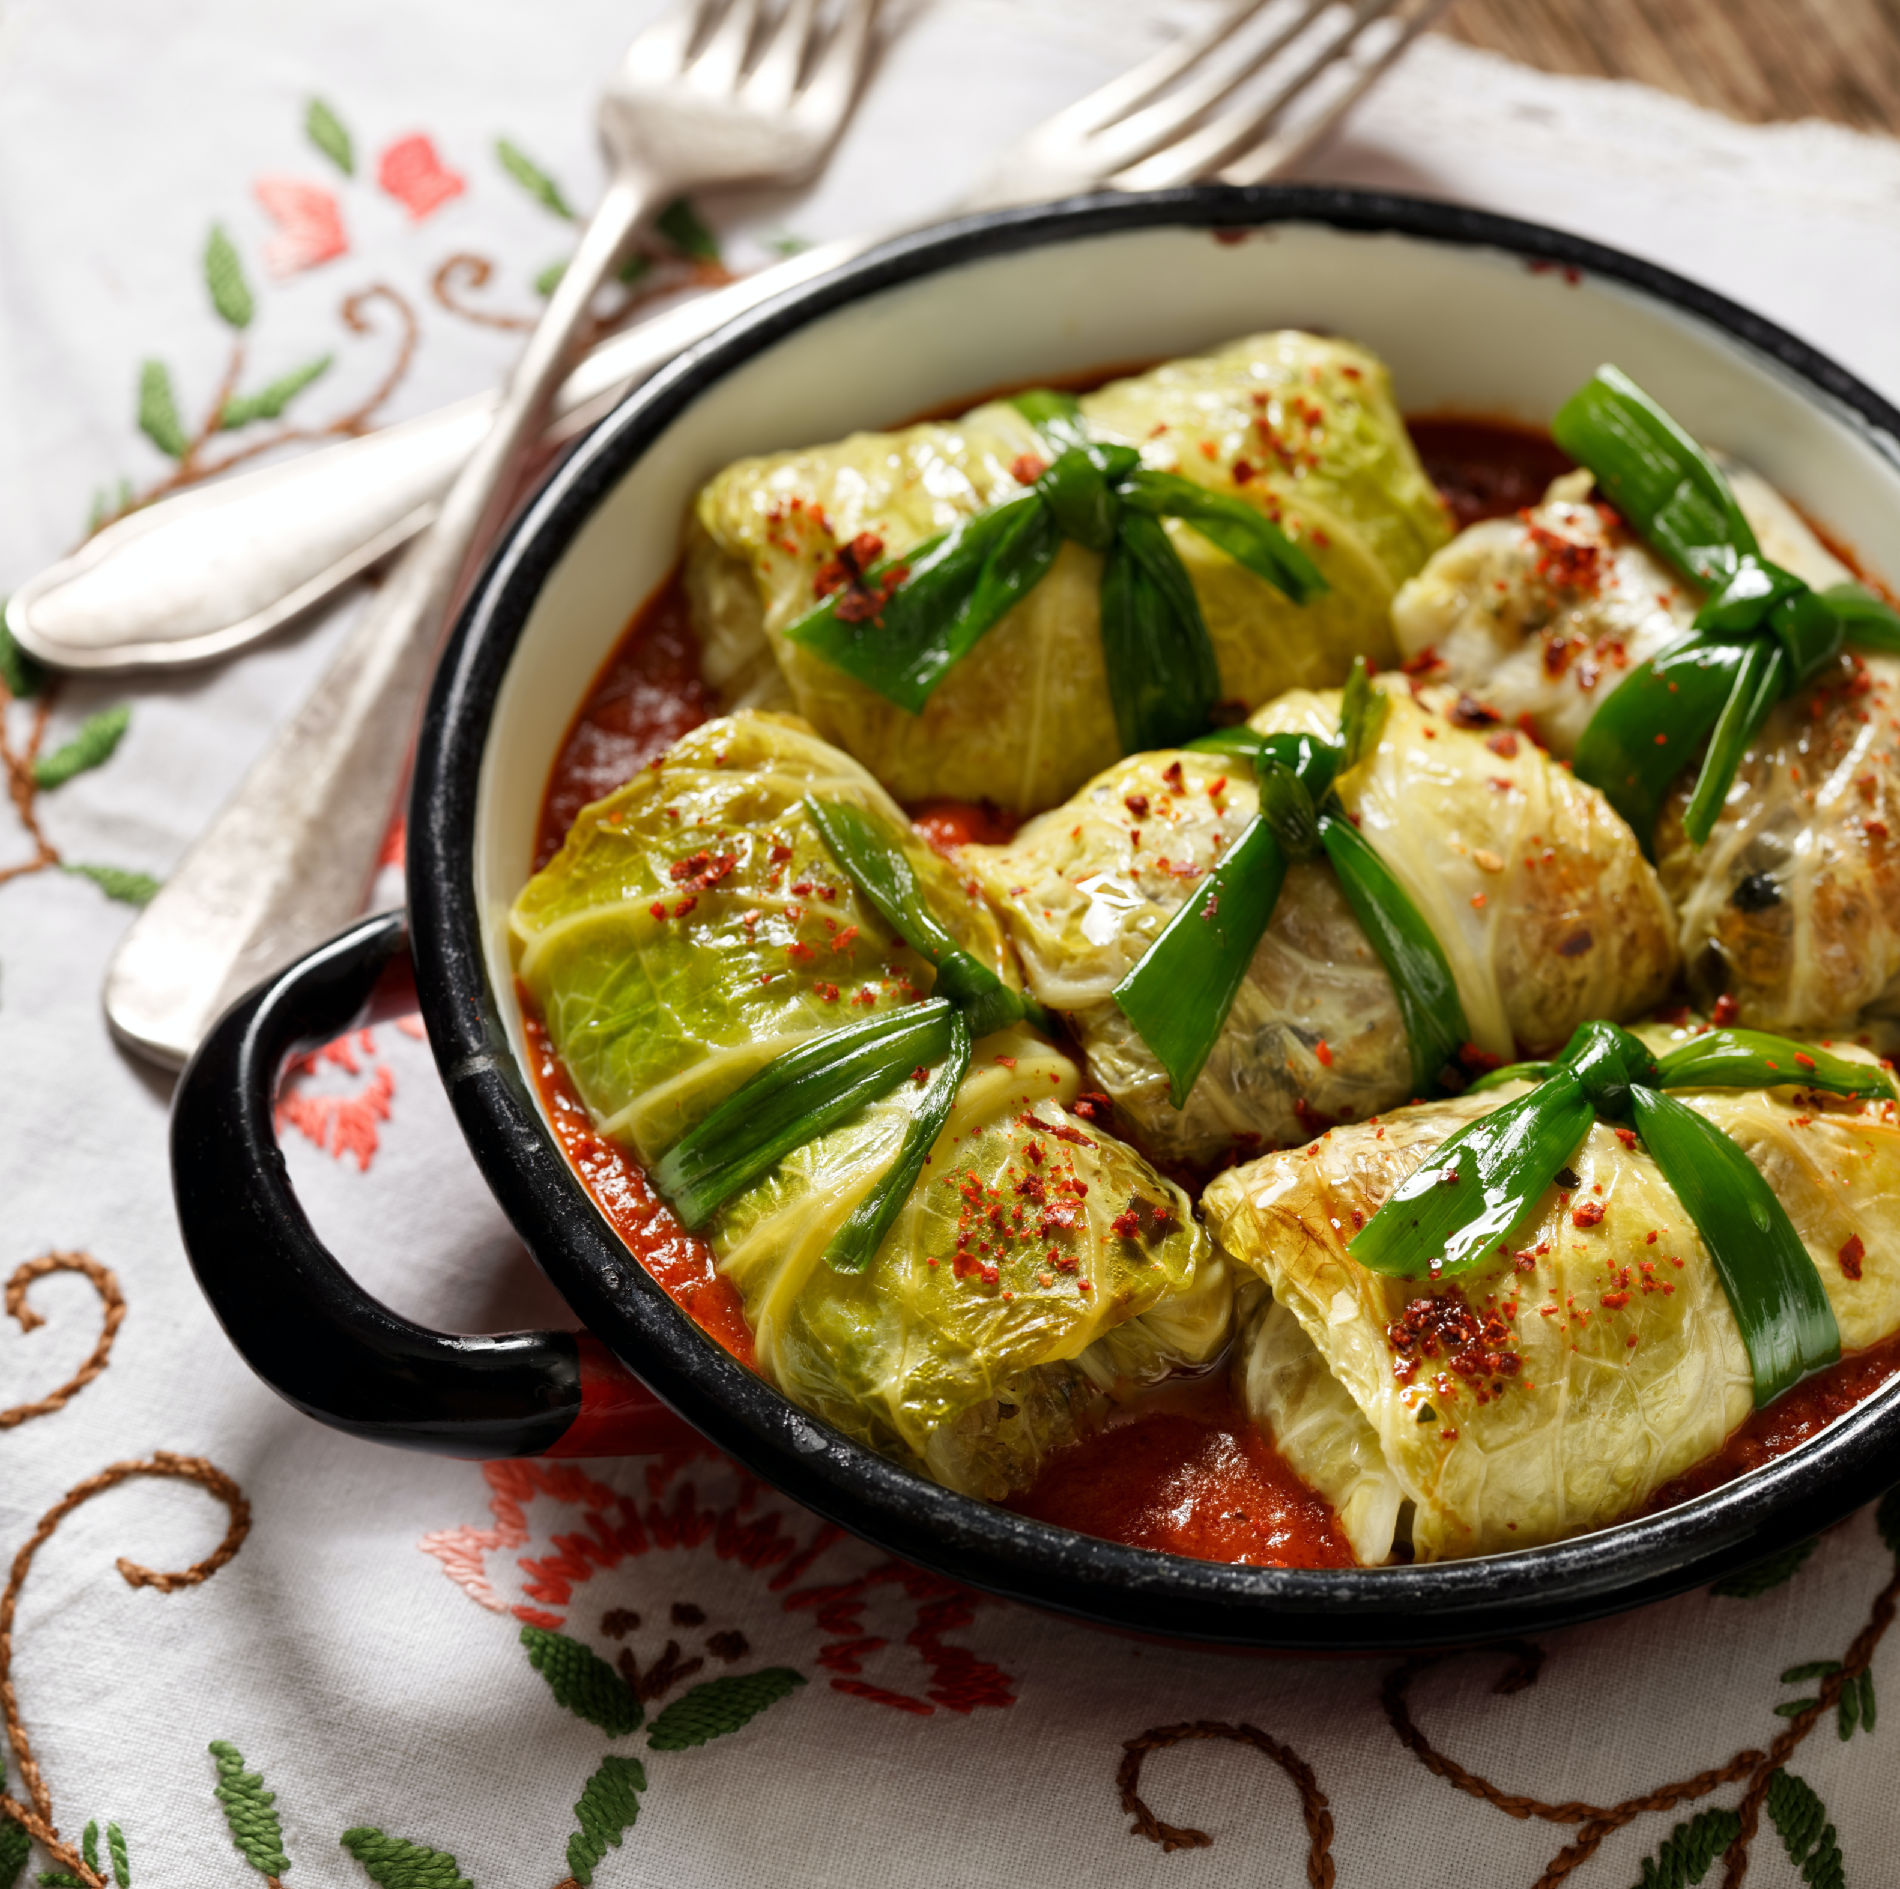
(685, 905)
(1243, 472)
(1209, 450)
(1616, 1301)
(1851, 1255)
(1127, 1223)
(1504, 745)
(829, 992)
(656, 910)
(1649, 1239)
(920, 1075)
(1323, 1051)
(1588, 1214)
(1026, 468)
(1565, 564)
(1806, 1062)
(1008, 1062)
(1469, 712)
(1475, 1347)
(780, 853)
(1726, 1011)
(1172, 775)
(1091, 1105)
(845, 939)
(1137, 804)
(798, 951)
(1877, 828)
(1627, 1136)
(1477, 901)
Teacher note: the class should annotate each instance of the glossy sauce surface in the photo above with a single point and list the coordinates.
(1182, 1470)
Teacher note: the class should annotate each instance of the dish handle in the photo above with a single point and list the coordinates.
(299, 1320)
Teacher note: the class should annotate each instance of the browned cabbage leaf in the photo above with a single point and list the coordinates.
(1541, 899)
(1556, 1391)
(1792, 908)
(1303, 426)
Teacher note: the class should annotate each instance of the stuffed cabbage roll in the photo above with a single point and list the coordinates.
(692, 928)
(1536, 892)
(1557, 1388)
(1792, 908)
(1303, 427)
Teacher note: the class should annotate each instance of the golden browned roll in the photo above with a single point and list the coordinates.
(1537, 893)
(1557, 1388)
(1792, 908)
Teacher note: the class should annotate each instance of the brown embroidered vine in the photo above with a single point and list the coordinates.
(17, 1308)
(36, 1817)
(1313, 1807)
(1595, 1821)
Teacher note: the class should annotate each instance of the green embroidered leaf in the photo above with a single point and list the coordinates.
(270, 400)
(1813, 1669)
(1800, 1818)
(117, 882)
(14, 1845)
(1867, 1707)
(224, 277)
(247, 1810)
(1762, 1576)
(609, 1802)
(158, 411)
(121, 1861)
(720, 1706)
(89, 1845)
(326, 131)
(550, 278)
(687, 232)
(23, 677)
(1684, 1855)
(787, 244)
(1887, 1519)
(392, 1863)
(532, 178)
(582, 1681)
(90, 747)
(60, 1879)
(637, 265)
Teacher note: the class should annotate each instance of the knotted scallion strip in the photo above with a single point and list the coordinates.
(1179, 994)
(794, 1099)
(826, 1082)
(911, 619)
(1470, 1196)
(1762, 634)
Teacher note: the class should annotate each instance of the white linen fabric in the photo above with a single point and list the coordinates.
(363, 1650)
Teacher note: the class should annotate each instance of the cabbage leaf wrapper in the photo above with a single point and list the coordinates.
(1535, 891)
(694, 926)
(1792, 906)
(1557, 1387)
(1302, 427)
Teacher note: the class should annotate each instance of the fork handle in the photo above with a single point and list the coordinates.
(288, 859)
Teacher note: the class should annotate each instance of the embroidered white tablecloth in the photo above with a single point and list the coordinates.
(396, 1647)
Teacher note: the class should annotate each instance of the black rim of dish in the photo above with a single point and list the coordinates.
(991, 1548)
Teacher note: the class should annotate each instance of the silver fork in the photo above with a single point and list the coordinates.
(710, 94)
(202, 574)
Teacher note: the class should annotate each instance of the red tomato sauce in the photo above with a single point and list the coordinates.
(1182, 1470)
(1185, 1473)
(1790, 1420)
(679, 1262)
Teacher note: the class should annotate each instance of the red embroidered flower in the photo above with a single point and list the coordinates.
(309, 223)
(416, 177)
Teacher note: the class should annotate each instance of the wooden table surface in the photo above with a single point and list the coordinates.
(1754, 59)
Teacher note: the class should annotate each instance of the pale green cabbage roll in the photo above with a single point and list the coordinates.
(1538, 894)
(691, 928)
(1302, 426)
(1557, 1389)
(1792, 908)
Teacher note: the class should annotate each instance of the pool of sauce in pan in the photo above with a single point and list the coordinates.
(1181, 1470)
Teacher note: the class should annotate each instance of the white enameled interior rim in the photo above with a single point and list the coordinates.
(1466, 328)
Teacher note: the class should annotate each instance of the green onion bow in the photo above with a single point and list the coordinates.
(830, 1080)
(1472, 1194)
(1762, 635)
(932, 606)
(1179, 994)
